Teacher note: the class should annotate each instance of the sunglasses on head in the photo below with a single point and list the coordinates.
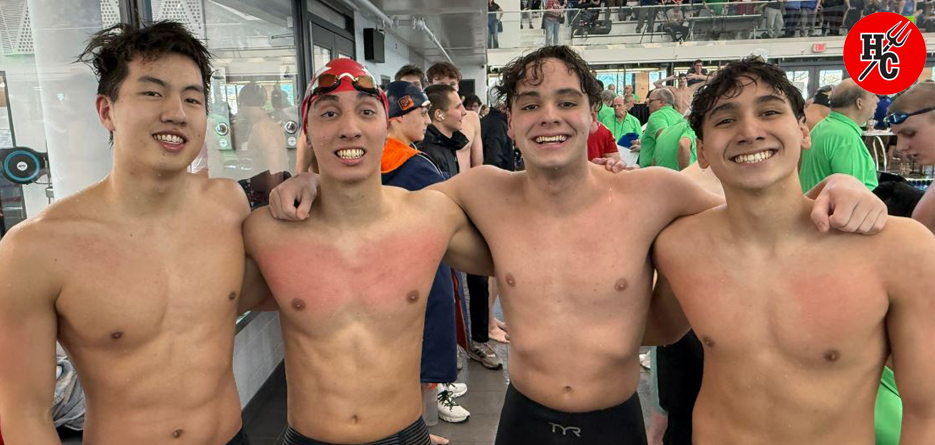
(898, 118)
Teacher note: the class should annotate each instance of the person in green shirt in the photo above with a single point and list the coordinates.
(675, 146)
(662, 113)
(628, 89)
(621, 122)
(606, 113)
(837, 146)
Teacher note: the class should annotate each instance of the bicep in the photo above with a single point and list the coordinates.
(911, 321)
(467, 250)
(28, 329)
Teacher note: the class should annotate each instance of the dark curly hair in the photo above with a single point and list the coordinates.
(727, 83)
(110, 51)
(531, 65)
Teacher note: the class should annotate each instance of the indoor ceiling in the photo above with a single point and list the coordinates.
(460, 26)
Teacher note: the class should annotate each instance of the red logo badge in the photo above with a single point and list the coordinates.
(884, 53)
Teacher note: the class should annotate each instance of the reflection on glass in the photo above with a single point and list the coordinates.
(322, 56)
(829, 77)
(253, 116)
(800, 80)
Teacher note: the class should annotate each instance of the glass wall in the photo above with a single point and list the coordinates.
(253, 108)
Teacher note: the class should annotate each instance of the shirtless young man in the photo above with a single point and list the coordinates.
(799, 321)
(912, 118)
(108, 271)
(352, 280)
(576, 305)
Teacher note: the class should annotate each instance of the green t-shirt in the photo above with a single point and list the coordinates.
(837, 147)
(605, 114)
(888, 413)
(630, 124)
(659, 120)
(667, 145)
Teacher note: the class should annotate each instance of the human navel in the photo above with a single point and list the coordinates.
(621, 285)
(412, 296)
(177, 433)
(510, 281)
(116, 335)
(567, 389)
(298, 304)
(354, 419)
(832, 355)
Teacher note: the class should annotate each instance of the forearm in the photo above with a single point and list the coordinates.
(835, 179)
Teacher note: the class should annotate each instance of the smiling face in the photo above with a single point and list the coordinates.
(158, 119)
(550, 117)
(753, 140)
(347, 131)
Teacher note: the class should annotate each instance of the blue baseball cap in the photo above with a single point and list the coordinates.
(404, 97)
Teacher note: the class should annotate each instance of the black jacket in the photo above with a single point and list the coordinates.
(442, 150)
(498, 147)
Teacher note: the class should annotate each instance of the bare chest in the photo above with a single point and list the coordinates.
(809, 309)
(128, 288)
(318, 282)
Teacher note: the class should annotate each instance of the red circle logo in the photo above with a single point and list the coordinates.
(884, 53)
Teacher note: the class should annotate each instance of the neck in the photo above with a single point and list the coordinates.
(442, 129)
(769, 217)
(563, 189)
(138, 193)
(399, 136)
(350, 205)
(852, 113)
(621, 117)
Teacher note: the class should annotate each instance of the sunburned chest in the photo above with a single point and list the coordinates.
(382, 277)
(129, 290)
(815, 309)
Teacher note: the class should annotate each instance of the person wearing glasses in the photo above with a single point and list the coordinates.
(912, 119)
(352, 280)
(837, 145)
(662, 113)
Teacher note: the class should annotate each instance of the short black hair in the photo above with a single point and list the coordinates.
(440, 96)
(727, 83)
(409, 70)
(472, 100)
(531, 65)
(110, 51)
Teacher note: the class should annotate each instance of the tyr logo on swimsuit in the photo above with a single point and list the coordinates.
(565, 429)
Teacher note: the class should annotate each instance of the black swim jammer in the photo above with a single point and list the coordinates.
(415, 434)
(239, 439)
(523, 421)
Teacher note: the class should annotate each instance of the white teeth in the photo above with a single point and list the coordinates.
(544, 139)
(754, 157)
(170, 138)
(350, 153)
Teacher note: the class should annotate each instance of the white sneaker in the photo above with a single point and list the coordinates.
(456, 389)
(449, 410)
(484, 354)
(460, 362)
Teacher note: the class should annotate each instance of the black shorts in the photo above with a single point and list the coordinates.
(415, 434)
(523, 421)
(239, 439)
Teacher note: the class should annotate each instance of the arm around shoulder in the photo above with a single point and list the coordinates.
(28, 329)
(910, 270)
(467, 250)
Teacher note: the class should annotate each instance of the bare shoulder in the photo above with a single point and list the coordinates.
(479, 181)
(472, 118)
(692, 229)
(227, 196)
(903, 240)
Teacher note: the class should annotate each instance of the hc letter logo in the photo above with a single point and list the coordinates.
(880, 56)
(884, 53)
(565, 429)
